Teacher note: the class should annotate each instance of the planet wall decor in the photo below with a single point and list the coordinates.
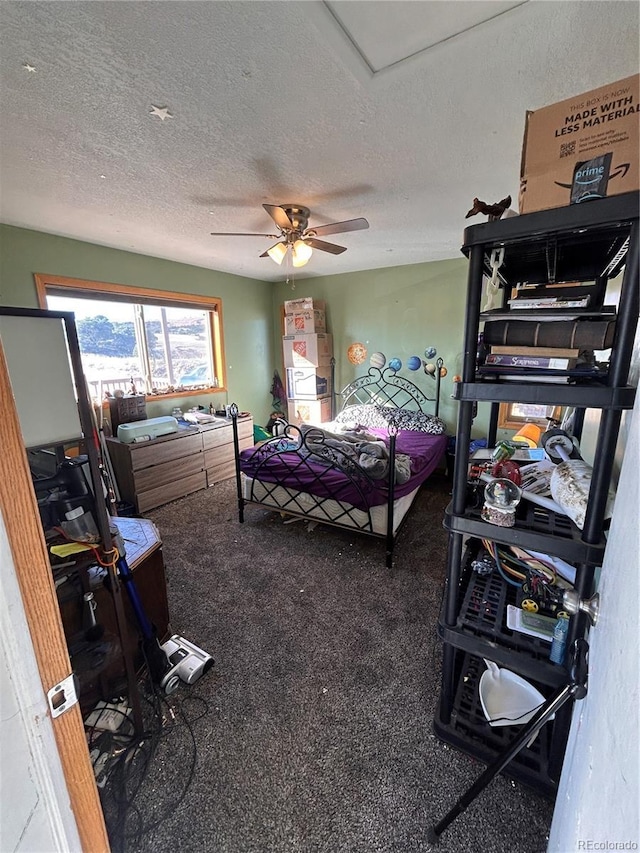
(430, 352)
(357, 353)
(378, 359)
(414, 363)
(395, 364)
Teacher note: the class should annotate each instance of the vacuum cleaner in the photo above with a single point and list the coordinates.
(172, 662)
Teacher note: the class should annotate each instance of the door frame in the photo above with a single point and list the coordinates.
(33, 573)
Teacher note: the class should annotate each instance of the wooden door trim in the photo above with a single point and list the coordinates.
(33, 572)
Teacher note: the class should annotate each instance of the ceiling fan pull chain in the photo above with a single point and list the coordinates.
(291, 273)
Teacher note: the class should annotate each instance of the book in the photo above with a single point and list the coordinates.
(535, 377)
(558, 315)
(551, 285)
(542, 374)
(564, 290)
(536, 477)
(558, 378)
(522, 454)
(546, 362)
(546, 352)
(551, 302)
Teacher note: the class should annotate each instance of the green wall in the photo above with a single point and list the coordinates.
(246, 304)
(396, 310)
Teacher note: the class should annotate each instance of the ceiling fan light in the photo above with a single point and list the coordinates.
(277, 252)
(301, 253)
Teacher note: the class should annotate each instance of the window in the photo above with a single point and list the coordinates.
(515, 415)
(160, 343)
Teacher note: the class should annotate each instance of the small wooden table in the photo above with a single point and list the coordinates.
(99, 665)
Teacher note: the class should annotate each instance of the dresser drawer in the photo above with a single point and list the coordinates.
(224, 434)
(167, 472)
(171, 491)
(216, 437)
(220, 463)
(222, 471)
(164, 451)
(224, 453)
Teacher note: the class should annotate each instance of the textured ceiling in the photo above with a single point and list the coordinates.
(401, 112)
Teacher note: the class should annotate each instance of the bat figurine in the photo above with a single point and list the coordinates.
(493, 211)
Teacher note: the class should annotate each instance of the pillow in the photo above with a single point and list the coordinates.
(382, 416)
(363, 415)
(418, 422)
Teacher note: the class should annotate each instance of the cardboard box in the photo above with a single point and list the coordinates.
(305, 322)
(307, 350)
(582, 148)
(309, 383)
(305, 303)
(309, 411)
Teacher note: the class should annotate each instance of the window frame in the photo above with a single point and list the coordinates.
(54, 285)
(507, 420)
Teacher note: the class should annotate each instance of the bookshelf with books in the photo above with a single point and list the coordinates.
(591, 242)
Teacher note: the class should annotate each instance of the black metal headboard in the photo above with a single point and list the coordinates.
(385, 387)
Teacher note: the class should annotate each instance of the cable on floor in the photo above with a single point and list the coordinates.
(131, 766)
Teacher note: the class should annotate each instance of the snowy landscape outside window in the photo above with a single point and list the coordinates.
(157, 343)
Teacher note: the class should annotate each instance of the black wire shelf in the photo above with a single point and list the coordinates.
(469, 731)
(536, 528)
(481, 626)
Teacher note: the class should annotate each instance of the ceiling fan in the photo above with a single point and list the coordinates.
(292, 221)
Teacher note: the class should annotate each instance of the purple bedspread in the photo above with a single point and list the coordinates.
(309, 474)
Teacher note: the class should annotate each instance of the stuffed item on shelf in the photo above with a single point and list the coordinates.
(571, 478)
(493, 211)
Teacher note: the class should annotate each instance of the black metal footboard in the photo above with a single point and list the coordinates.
(312, 481)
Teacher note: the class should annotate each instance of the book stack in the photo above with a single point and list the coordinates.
(553, 297)
(539, 364)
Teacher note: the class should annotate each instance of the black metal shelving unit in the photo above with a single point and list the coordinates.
(589, 242)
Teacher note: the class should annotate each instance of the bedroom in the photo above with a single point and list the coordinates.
(385, 306)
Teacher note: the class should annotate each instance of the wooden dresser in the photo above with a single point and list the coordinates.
(154, 472)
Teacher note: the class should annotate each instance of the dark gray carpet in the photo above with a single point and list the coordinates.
(319, 732)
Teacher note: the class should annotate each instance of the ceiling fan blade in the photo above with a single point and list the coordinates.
(279, 216)
(325, 247)
(341, 227)
(266, 254)
(241, 234)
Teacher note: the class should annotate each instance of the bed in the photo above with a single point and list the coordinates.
(361, 471)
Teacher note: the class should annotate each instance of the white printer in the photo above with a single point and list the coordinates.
(147, 429)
